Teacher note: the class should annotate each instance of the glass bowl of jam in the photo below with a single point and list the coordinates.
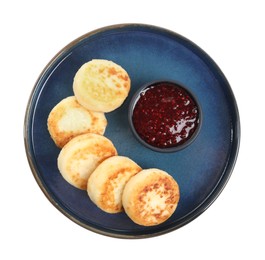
(165, 116)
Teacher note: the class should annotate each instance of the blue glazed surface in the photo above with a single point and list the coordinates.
(147, 53)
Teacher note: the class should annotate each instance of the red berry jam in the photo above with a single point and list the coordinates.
(165, 115)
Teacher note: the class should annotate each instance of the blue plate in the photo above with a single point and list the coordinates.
(147, 53)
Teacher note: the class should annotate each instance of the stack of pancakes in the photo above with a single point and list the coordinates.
(89, 161)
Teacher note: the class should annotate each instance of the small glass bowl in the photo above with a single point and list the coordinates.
(166, 84)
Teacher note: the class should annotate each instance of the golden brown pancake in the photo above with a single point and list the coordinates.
(81, 155)
(107, 181)
(69, 119)
(101, 85)
(150, 197)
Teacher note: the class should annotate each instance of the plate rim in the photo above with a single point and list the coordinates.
(212, 196)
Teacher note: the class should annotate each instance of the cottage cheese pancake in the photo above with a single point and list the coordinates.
(80, 157)
(106, 183)
(101, 85)
(69, 119)
(150, 197)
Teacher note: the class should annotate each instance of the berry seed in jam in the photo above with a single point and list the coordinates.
(165, 115)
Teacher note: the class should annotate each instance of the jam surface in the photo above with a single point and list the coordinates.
(165, 115)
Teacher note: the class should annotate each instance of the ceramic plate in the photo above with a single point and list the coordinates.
(147, 53)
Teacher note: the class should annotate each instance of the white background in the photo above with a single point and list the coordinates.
(231, 32)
